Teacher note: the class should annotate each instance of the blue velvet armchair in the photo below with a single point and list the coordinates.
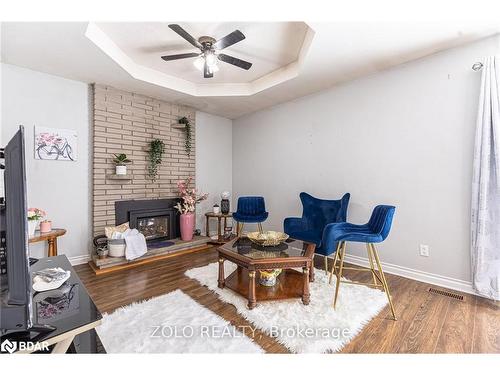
(250, 210)
(313, 225)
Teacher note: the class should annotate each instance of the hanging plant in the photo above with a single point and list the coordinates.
(155, 153)
(187, 128)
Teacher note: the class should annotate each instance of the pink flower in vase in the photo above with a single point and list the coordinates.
(189, 196)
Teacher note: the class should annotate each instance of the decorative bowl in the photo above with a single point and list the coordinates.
(268, 238)
(269, 277)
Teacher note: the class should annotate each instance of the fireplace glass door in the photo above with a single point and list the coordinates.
(154, 227)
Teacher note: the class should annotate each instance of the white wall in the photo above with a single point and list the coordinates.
(402, 137)
(61, 188)
(213, 162)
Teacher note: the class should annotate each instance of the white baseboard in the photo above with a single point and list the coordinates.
(80, 259)
(426, 277)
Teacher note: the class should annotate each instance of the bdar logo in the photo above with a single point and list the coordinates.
(8, 346)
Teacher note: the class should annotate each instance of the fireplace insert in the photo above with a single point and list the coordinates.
(157, 219)
(154, 227)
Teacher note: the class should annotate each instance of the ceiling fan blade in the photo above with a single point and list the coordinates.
(230, 39)
(180, 56)
(206, 72)
(234, 61)
(183, 33)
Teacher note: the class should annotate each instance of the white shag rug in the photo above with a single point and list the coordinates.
(315, 328)
(172, 323)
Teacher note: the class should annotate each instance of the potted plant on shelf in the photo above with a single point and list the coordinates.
(187, 128)
(155, 153)
(34, 217)
(190, 197)
(121, 161)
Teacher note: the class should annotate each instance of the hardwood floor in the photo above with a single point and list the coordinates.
(427, 322)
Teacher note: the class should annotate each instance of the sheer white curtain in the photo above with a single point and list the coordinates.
(485, 220)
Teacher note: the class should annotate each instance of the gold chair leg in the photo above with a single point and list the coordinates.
(339, 274)
(260, 227)
(326, 265)
(370, 258)
(334, 262)
(239, 229)
(384, 281)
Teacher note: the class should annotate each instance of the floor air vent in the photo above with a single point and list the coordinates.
(447, 294)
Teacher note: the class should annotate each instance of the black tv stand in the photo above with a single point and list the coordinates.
(77, 316)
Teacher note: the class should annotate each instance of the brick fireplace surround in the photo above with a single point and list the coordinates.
(125, 122)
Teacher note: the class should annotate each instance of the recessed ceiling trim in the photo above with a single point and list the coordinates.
(95, 34)
(288, 72)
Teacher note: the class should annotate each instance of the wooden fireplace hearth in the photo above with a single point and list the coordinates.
(112, 264)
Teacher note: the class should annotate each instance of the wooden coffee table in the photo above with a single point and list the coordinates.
(251, 258)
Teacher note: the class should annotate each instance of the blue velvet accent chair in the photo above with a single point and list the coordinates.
(250, 210)
(375, 231)
(317, 215)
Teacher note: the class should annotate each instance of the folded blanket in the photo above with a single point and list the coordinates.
(136, 244)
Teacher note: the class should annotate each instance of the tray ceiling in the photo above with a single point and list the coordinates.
(275, 50)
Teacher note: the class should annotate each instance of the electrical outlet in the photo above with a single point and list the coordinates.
(424, 250)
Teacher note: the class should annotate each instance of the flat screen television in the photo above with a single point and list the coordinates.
(15, 279)
(16, 312)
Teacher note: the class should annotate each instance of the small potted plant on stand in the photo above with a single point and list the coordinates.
(190, 197)
(34, 217)
(121, 161)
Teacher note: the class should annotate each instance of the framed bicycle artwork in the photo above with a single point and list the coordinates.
(55, 144)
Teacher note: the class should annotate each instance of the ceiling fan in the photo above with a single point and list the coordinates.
(209, 47)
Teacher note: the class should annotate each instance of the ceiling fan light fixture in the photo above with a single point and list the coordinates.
(207, 61)
(199, 62)
(211, 59)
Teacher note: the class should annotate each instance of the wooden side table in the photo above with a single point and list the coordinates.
(50, 237)
(221, 218)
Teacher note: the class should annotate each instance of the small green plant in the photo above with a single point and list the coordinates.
(155, 153)
(121, 159)
(188, 142)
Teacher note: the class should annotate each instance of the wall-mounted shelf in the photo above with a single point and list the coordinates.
(125, 177)
(178, 126)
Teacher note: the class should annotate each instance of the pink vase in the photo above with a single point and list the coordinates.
(187, 226)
